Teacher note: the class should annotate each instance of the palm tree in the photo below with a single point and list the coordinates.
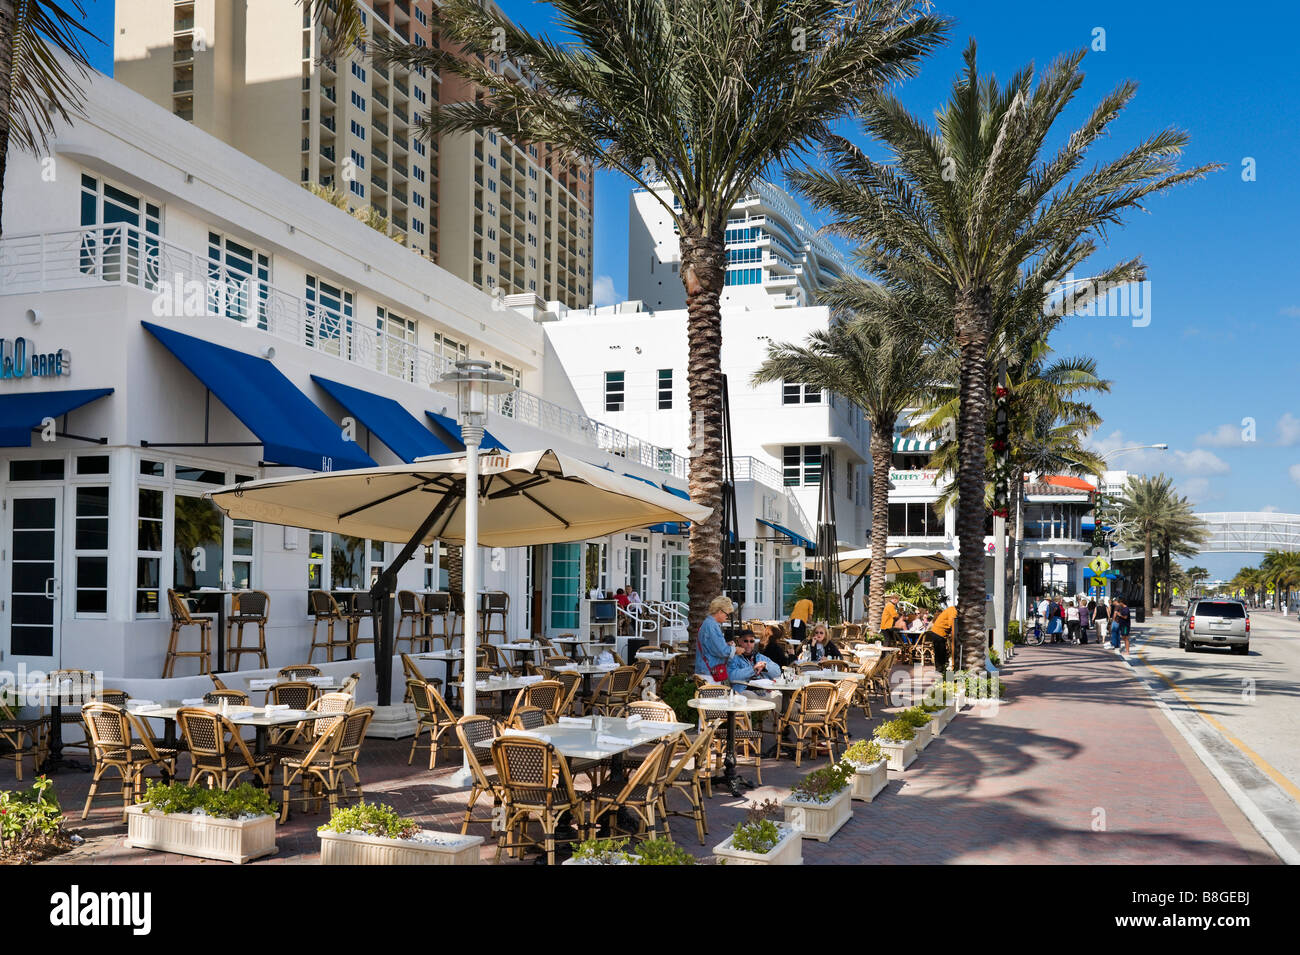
(1143, 506)
(1196, 574)
(1282, 570)
(971, 211)
(861, 360)
(36, 88)
(698, 97)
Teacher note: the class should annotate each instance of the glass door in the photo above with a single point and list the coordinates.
(30, 579)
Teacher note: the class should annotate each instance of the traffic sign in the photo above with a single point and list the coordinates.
(1099, 566)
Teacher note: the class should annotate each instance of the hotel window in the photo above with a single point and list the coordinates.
(450, 349)
(91, 551)
(665, 389)
(148, 550)
(743, 256)
(914, 520)
(357, 188)
(418, 226)
(129, 253)
(241, 555)
(492, 185)
(492, 162)
(760, 571)
(329, 316)
(358, 101)
(512, 374)
(397, 343)
(793, 393)
(744, 277)
(238, 280)
(417, 199)
(418, 173)
(358, 160)
(801, 465)
(359, 71)
(614, 390)
(418, 147)
(358, 130)
(492, 258)
(419, 94)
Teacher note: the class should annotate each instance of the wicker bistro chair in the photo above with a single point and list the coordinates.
(411, 610)
(74, 680)
(305, 733)
(327, 764)
(412, 672)
(494, 608)
(435, 718)
(572, 683)
(472, 730)
(437, 609)
(535, 784)
(246, 609)
(217, 751)
(181, 618)
(295, 694)
(349, 685)
(114, 697)
(527, 718)
(809, 715)
(547, 695)
(297, 671)
(878, 679)
(641, 794)
(323, 608)
(22, 737)
(845, 691)
(234, 697)
(691, 775)
(655, 711)
(614, 691)
(118, 742)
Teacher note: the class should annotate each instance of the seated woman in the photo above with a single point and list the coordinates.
(919, 623)
(774, 647)
(819, 646)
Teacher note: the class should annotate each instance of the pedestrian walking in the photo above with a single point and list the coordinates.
(1085, 618)
(1072, 620)
(1125, 618)
(1101, 620)
(1055, 623)
(1116, 626)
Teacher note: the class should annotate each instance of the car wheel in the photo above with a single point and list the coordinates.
(1241, 650)
(1188, 646)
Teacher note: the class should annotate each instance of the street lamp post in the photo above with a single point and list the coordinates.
(1110, 536)
(472, 381)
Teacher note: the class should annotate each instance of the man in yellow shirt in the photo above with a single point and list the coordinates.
(802, 612)
(889, 620)
(940, 634)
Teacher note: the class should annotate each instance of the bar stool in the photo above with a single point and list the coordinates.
(457, 600)
(437, 608)
(361, 608)
(181, 617)
(494, 606)
(246, 608)
(324, 608)
(411, 608)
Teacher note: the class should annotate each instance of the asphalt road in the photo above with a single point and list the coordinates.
(1244, 710)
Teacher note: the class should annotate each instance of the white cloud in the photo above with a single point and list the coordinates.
(1196, 489)
(1294, 471)
(1201, 461)
(1291, 310)
(1145, 461)
(602, 292)
(1224, 436)
(1269, 508)
(1288, 430)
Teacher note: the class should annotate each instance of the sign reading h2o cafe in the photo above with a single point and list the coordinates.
(20, 359)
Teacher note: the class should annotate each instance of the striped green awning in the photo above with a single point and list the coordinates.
(913, 445)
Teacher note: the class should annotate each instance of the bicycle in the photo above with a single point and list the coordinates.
(1034, 634)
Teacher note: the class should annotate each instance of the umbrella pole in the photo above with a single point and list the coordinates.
(381, 595)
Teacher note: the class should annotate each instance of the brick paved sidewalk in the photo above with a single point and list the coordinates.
(1079, 767)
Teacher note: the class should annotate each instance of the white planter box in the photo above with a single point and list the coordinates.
(819, 820)
(898, 755)
(869, 779)
(227, 840)
(923, 736)
(940, 719)
(788, 851)
(353, 848)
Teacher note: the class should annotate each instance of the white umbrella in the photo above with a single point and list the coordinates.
(527, 497)
(900, 560)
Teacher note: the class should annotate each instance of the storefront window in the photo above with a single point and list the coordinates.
(197, 552)
(316, 560)
(91, 543)
(347, 562)
(148, 559)
(565, 568)
(241, 555)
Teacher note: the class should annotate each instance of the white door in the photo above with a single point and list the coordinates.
(29, 579)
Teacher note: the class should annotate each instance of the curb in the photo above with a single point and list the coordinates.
(1285, 851)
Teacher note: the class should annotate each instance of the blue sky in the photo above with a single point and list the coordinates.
(1214, 374)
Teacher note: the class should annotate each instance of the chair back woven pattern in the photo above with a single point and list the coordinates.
(298, 671)
(653, 710)
(321, 604)
(110, 733)
(293, 694)
(250, 606)
(238, 697)
(471, 730)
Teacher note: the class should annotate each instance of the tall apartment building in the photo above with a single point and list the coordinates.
(499, 214)
(774, 255)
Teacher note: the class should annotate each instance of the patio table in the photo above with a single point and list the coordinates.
(75, 692)
(572, 643)
(448, 657)
(731, 705)
(577, 739)
(254, 716)
(588, 670)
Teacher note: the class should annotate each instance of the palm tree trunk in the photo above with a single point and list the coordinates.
(1146, 575)
(455, 570)
(7, 20)
(1017, 553)
(972, 319)
(1009, 598)
(882, 451)
(704, 269)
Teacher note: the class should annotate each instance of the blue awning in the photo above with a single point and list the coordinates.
(797, 539)
(387, 420)
(293, 431)
(450, 430)
(668, 527)
(675, 492)
(673, 527)
(21, 413)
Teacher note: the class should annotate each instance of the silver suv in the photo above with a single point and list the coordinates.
(1216, 623)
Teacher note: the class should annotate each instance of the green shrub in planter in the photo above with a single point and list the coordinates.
(675, 691)
(373, 819)
(863, 753)
(244, 801)
(661, 852)
(914, 716)
(821, 785)
(1013, 632)
(894, 731)
(758, 837)
(603, 851)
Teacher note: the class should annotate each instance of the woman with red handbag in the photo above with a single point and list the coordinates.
(711, 648)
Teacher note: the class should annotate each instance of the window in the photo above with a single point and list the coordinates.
(198, 538)
(793, 393)
(329, 316)
(358, 101)
(357, 188)
(417, 199)
(512, 374)
(418, 173)
(760, 571)
(241, 555)
(492, 185)
(418, 147)
(492, 258)
(450, 349)
(238, 280)
(91, 551)
(358, 130)
(734, 576)
(492, 162)
(421, 16)
(744, 277)
(358, 160)
(359, 72)
(914, 520)
(418, 226)
(801, 465)
(746, 255)
(419, 94)
(148, 550)
(129, 253)
(614, 390)
(665, 389)
(566, 577)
